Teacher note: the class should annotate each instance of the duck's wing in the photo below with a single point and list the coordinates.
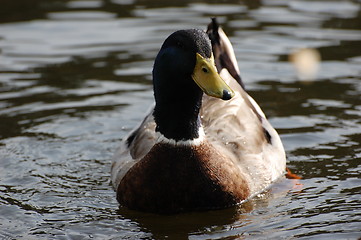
(133, 148)
(238, 128)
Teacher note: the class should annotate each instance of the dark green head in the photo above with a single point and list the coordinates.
(184, 69)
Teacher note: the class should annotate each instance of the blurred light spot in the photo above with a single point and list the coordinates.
(306, 62)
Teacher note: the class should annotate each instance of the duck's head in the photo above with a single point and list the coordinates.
(183, 69)
(185, 61)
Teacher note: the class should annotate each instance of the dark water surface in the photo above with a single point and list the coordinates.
(75, 77)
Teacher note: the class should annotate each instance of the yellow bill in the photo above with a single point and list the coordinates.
(207, 78)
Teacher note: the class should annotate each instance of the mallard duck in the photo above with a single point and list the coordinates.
(197, 151)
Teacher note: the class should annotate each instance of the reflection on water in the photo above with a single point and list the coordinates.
(75, 77)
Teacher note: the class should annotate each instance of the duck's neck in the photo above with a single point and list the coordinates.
(176, 114)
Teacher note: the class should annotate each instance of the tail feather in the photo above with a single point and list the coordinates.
(223, 51)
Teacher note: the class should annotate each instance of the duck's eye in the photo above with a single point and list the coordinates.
(205, 70)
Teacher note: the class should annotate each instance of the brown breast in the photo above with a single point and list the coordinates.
(173, 179)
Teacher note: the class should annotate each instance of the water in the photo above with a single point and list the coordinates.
(75, 78)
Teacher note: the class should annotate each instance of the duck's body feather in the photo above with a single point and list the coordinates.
(236, 128)
(240, 156)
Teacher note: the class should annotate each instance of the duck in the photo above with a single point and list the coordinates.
(205, 143)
